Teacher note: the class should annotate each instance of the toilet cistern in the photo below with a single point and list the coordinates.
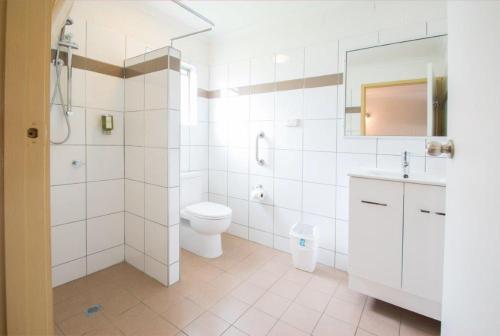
(405, 163)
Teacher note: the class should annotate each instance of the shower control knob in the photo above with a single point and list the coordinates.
(76, 163)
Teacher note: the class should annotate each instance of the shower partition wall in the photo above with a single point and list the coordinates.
(152, 163)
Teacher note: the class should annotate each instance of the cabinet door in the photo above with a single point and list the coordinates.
(423, 242)
(376, 230)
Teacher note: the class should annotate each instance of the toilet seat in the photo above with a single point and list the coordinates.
(207, 210)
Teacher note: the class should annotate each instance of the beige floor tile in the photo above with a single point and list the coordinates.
(146, 287)
(380, 318)
(345, 311)
(71, 307)
(206, 295)
(207, 272)
(232, 331)
(116, 305)
(361, 332)
(273, 304)
(328, 326)
(207, 324)
(229, 308)
(345, 294)
(81, 324)
(252, 269)
(225, 281)
(185, 286)
(283, 329)
(248, 293)
(224, 262)
(159, 303)
(135, 319)
(298, 276)
(69, 290)
(255, 323)
(101, 293)
(258, 258)
(104, 331)
(158, 327)
(301, 317)
(284, 259)
(327, 285)
(182, 313)
(263, 279)
(286, 288)
(313, 299)
(242, 270)
(276, 267)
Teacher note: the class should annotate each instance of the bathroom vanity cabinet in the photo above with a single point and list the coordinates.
(396, 240)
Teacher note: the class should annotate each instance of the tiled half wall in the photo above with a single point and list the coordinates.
(152, 167)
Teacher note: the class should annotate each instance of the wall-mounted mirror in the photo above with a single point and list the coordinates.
(397, 89)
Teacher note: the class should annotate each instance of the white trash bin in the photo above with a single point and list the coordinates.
(304, 246)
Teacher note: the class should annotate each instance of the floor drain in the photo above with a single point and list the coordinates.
(93, 309)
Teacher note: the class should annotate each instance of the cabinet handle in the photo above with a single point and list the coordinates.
(374, 203)
(436, 213)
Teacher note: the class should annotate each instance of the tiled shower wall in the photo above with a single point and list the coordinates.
(93, 176)
(152, 168)
(305, 174)
(87, 197)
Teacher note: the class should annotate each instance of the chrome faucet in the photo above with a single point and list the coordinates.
(405, 164)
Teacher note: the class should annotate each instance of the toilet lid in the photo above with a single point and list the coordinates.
(208, 210)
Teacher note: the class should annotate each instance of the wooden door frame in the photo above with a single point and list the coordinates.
(28, 283)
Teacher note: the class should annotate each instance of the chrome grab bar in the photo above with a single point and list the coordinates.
(260, 162)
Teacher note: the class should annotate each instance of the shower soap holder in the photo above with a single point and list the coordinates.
(107, 124)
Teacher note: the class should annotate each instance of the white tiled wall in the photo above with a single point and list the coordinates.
(87, 201)
(305, 174)
(152, 169)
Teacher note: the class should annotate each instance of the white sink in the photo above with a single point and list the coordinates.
(381, 174)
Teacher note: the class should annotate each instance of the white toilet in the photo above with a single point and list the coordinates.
(202, 222)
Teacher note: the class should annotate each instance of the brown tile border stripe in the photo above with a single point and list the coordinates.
(157, 64)
(294, 84)
(287, 85)
(85, 63)
(203, 93)
(174, 63)
(327, 80)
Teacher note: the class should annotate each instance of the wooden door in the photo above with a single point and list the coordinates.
(26, 179)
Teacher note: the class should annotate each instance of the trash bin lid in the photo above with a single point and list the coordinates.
(303, 230)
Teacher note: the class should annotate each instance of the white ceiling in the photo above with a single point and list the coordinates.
(232, 16)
